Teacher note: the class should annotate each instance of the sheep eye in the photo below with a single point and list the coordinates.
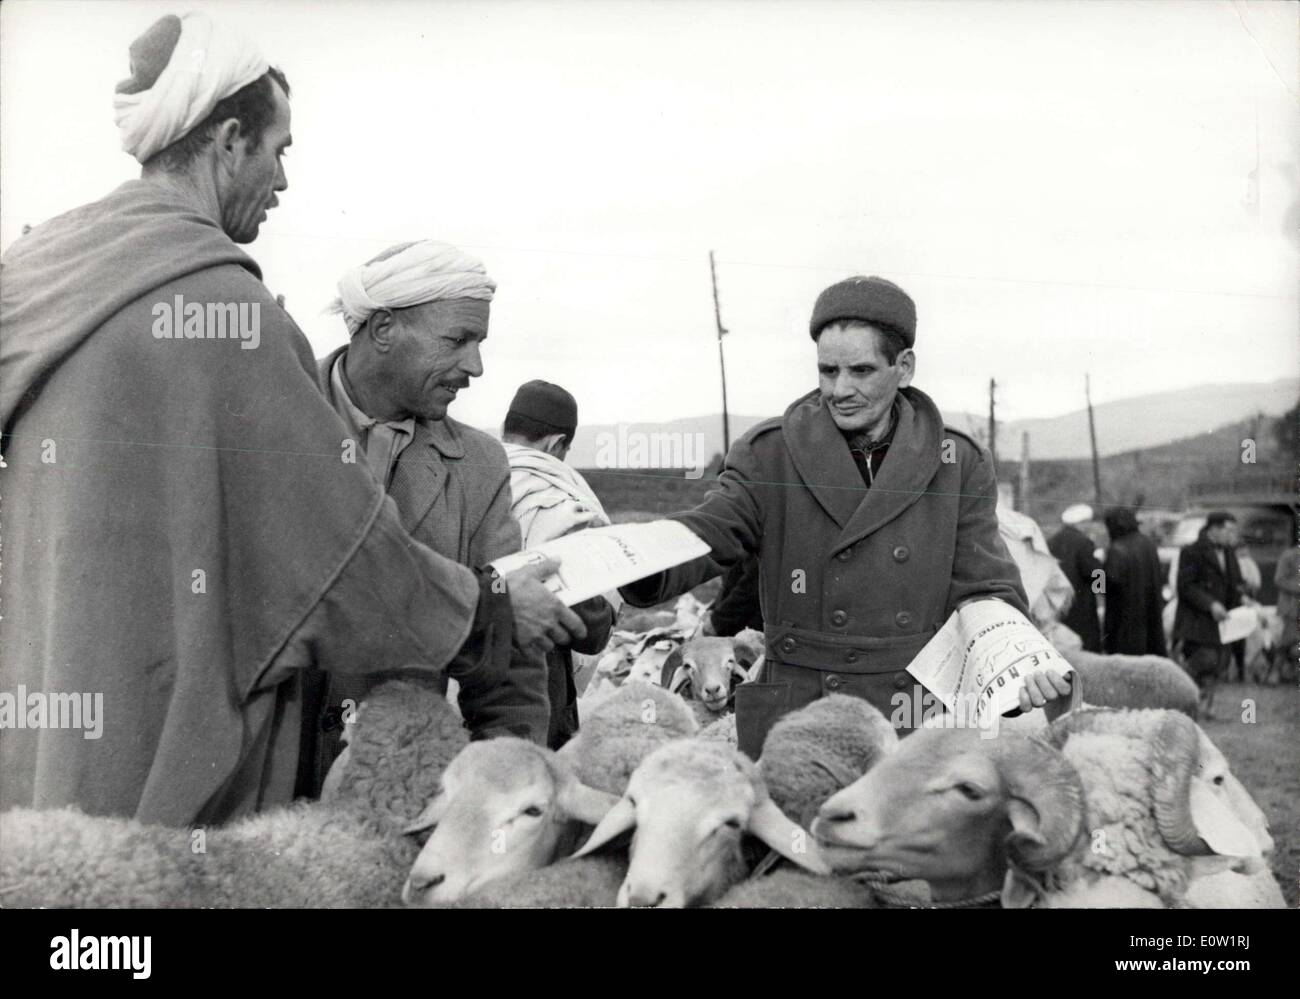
(970, 791)
(533, 811)
(732, 823)
(1218, 781)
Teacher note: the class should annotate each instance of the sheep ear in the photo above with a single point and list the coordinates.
(774, 828)
(618, 820)
(578, 801)
(1222, 831)
(430, 817)
(756, 671)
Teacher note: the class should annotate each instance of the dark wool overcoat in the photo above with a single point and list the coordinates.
(855, 581)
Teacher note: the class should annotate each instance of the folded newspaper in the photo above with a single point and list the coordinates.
(977, 662)
(1240, 623)
(595, 561)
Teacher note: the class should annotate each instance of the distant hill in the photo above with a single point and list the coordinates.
(1146, 421)
(1122, 426)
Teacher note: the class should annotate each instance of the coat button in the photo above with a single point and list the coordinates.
(839, 619)
(901, 553)
(833, 682)
(845, 555)
(902, 619)
(787, 645)
(851, 656)
(901, 680)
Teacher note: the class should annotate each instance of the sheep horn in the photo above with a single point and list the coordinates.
(1042, 780)
(1176, 752)
(673, 674)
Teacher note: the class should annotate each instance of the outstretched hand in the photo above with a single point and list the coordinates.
(541, 620)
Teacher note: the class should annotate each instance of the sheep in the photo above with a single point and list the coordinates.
(721, 729)
(623, 731)
(1235, 874)
(790, 888)
(582, 883)
(349, 851)
(597, 763)
(825, 746)
(1219, 883)
(1003, 819)
(690, 802)
(805, 739)
(704, 669)
(1116, 681)
(507, 806)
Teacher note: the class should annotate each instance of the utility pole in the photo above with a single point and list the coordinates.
(1092, 436)
(993, 425)
(722, 363)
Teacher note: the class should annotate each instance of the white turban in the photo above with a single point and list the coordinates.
(209, 62)
(427, 271)
(1077, 514)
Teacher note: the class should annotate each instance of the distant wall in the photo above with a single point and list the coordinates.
(656, 491)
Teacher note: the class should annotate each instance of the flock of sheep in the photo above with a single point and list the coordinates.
(1123, 803)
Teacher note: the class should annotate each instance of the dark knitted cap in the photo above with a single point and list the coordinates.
(548, 404)
(867, 299)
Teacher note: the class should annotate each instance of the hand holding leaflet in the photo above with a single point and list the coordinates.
(977, 663)
(604, 558)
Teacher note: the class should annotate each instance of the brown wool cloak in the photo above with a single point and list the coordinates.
(197, 539)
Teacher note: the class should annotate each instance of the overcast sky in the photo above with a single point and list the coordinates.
(1062, 187)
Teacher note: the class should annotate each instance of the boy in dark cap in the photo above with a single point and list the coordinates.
(550, 500)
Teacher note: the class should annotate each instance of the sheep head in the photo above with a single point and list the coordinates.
(955, 810)
(706, 668)
(504, 806)
(1200, 809)
(690, 804)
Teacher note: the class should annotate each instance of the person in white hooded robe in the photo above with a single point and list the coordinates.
(549, 500)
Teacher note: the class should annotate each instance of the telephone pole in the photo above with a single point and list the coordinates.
(722, 363)
(1092, 437)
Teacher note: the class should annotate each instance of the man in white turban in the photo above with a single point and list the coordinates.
(182, 532)
(417, 314)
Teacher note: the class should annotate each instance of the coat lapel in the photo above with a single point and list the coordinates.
(821, 457)
(421, 472)
(906, 472)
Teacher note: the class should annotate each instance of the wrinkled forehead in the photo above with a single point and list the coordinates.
(847, 344)
(279, 126)
(451, 317)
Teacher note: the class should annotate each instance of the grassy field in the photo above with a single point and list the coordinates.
(1265, 756)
